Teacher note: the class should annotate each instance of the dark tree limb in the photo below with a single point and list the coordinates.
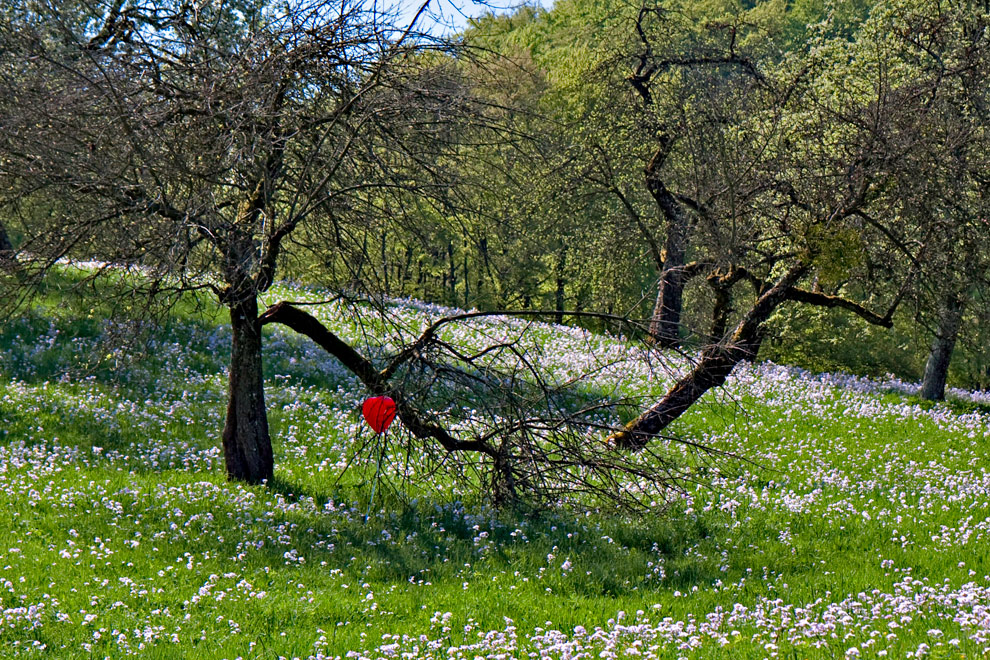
(310, 326)
(648, 64)
(820, 299)
(879, 226)
(825, 300)
(112, 27)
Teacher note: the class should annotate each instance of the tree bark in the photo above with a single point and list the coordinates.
(467, 280)
(561, 283)
(666, 321)
(8, 262)
(385, 264)
(453, 273)
(484, 268)
(716, 363)
(721, 309)
(937, 366)
(247, 445)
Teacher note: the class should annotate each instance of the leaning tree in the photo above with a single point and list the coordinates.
(811, 207)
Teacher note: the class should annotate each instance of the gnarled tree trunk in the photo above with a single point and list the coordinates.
(937, 366)
(719, 359)
(665, 324)
(247, 445)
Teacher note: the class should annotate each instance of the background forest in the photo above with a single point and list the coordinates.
(775, 109)
(652, 161)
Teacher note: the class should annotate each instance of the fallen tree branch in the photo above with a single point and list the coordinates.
(377, 382)
(308, 325)
(529, 457)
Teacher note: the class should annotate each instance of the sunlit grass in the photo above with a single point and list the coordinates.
(859, 528)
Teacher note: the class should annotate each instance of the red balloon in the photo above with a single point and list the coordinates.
(379, 411)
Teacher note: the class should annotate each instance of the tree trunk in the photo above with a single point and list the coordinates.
(453, 273)
(385, 264)
(467, 281)
(721, 285)
(561, 283)
(484, 268)
(5, 245)
(721, 310)
(8, 262)
(406, 272)
(937, 367)
(716, 363)
(666, 322)
(247, 445)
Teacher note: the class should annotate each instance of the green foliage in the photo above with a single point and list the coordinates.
(834, 340)
(839, 251)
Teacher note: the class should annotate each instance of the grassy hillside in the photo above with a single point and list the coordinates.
(858, 527)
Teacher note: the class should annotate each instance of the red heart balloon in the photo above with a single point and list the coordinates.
(379, 411)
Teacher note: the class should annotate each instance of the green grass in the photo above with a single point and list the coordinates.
(121, 536)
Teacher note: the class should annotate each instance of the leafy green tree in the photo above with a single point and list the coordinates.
(838, 136)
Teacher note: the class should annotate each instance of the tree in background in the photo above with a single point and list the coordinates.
(950, 51)
(840, 129)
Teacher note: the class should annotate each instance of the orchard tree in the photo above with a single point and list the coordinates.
(950, 51)
(195, 140)
(839, 134)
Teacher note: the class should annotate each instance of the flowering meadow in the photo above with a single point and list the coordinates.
(855, 524)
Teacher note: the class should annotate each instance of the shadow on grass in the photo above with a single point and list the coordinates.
(616, 555)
